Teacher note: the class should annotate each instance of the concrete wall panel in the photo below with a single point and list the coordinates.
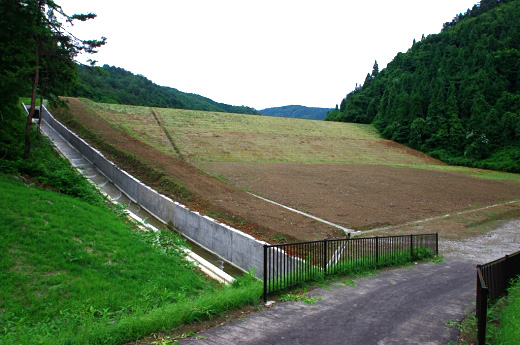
(126, 183)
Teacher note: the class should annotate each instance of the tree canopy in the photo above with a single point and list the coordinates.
(454, 95)
(37, 52)
(110, 84)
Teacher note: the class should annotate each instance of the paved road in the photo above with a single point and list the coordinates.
(400, 306)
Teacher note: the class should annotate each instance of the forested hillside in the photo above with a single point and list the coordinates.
(454, 95)
(296, 112)
(111, 84)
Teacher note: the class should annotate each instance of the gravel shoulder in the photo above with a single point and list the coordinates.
(485, 248)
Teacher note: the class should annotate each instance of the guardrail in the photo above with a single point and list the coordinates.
(493, 280)
(287, 265)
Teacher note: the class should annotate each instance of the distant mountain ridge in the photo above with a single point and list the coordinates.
(110, 84)
(296, 112)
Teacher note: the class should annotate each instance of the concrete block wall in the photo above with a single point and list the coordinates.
(234, 246)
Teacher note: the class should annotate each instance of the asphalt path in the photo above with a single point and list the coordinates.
(400, 306)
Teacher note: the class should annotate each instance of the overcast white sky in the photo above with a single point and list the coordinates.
(259, 53)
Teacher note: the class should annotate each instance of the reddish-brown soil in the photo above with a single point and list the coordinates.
(353, 196)
(366, 196)
(264, 220)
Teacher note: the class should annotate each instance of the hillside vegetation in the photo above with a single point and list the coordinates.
(112, 84)
(454, 95)
(296, 112)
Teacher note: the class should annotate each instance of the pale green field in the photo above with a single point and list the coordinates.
(220, 137)
(217, 137)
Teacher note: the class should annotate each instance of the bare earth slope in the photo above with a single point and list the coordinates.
(357, 196)
(366, 196)
(272, 221)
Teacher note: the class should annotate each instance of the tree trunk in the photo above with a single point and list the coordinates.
(33, 101)
(27, 150)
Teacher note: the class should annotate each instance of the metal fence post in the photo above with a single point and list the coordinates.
(377, 250)
(437, 243)
(411, 246)
(265, 273)
(325, 257)
(481, 309)
(507, 269)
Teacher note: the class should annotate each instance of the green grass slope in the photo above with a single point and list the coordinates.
(75, 270)
(76, 273)
(205, 137)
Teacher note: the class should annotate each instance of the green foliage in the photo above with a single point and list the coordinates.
(454, 95)
(16, 59)
(44, 165)
(110, 84)
(296, 112)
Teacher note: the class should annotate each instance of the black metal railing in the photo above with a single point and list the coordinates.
(493, 280)
(287, 265)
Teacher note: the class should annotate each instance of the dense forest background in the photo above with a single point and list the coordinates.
(296, 112)
(111, 84)
(454, 95)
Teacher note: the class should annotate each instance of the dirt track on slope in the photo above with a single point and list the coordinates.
(353, 196)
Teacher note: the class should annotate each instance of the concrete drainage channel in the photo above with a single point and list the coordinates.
(209, 262)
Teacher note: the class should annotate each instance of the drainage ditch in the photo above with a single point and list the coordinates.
(138, 213)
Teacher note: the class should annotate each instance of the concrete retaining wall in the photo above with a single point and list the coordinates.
(232, 245)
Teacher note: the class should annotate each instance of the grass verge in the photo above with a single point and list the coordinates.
(309, 274)
(75, 273)
(504, 318)
(503, 321)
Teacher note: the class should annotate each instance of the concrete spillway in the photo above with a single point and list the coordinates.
(137, 211)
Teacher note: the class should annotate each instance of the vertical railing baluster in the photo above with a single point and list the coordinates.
(265, 273)
(377, 251)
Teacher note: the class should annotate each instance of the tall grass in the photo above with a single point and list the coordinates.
(505, 329)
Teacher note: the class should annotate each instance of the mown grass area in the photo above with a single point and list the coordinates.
(220, 137)
(474, 172)
(75, 270)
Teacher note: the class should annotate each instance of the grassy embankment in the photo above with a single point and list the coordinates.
(504, 328)
(218, 137)
(74, 271)
(503, 321)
